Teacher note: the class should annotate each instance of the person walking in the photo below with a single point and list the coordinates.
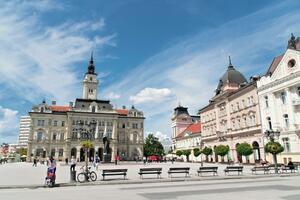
(34, 162)
(73, 164)
(97, 162)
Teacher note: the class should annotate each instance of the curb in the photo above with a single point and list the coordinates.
(168, 180)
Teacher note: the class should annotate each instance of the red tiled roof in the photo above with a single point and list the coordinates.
(193, 129)
(122, 111)
(60, 108)
(274, 64)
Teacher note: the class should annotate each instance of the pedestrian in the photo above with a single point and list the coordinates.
(67, 161)
(144, 160)
(73, 164)
(97, 161)
(34, 162)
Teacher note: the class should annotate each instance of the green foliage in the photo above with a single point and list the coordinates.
(22, 151)
(86, 144)
(221, 150)
(179, 153)
(187, 153)
(152, 146)
(273, 147)
(244, 149)
(196, 152)
(207, 151)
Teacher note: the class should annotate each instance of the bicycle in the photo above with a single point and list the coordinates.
(86, 175)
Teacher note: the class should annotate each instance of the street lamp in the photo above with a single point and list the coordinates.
(272, 135)
(86, 133)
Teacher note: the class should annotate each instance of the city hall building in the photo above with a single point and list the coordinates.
(58, 130)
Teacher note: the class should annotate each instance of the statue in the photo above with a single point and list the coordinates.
(292, 42)
(106, 144)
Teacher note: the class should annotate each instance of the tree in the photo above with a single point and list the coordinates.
(244, 149)
(179, 153)
(152, 146)
(86, 145)
(196, 152)
(187, 153)
(207, 151)
(22, 151)
(221, 150)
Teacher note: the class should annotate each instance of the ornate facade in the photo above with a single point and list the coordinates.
(279, 96)
(58, 130)
(232, 117)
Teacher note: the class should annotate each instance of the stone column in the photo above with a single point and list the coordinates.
(114, 143)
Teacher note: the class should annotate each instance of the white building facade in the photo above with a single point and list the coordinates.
(279, 97)
(24, 130)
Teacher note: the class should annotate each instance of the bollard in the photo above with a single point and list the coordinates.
(72, 176)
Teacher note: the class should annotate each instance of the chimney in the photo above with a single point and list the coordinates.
(53, 102)
(71, 104)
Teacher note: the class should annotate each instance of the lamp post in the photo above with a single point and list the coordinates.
(86, 133)
(272, 135)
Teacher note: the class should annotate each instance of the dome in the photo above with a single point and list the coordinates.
(231, 76)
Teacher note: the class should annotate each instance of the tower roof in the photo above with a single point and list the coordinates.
(231, 76)
(91, 66)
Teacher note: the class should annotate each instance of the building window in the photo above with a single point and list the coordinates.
(54, 137)
(55, 123)
(93, 109)
(41, 122)
(62, 135)
(269, 122)
(39, 136)
(286, 120)
(60, 152)
(142, 125)
(49, 122)
(63, 123)
(298, 90)
(283, 97)
(266, 101)
(286, 144)
(237, 106)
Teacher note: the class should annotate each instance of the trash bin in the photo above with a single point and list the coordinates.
(73, 176)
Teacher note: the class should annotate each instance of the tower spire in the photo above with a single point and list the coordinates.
(230, 64)
(91, 67)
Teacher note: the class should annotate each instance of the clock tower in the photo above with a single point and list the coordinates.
(90, 82)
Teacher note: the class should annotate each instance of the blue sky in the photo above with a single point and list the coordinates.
(152, 54)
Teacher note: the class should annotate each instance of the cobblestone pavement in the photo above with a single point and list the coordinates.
(24, 174)
(269, 188)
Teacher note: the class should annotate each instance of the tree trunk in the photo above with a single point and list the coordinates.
(275, 162)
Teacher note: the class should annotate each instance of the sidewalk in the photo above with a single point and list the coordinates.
(23, 175)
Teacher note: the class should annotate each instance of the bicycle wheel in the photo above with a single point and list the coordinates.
(93, 176)
(81, 177)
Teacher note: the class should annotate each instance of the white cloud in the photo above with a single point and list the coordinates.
(38, 61)
(8, 122)
(113, 96)
(151, 95)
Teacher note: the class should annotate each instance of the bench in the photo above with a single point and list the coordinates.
(114, 172)
(265, 169)
(214, 170)
(238, 169)
(150, 171)
(178, 170)
(287, 168)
